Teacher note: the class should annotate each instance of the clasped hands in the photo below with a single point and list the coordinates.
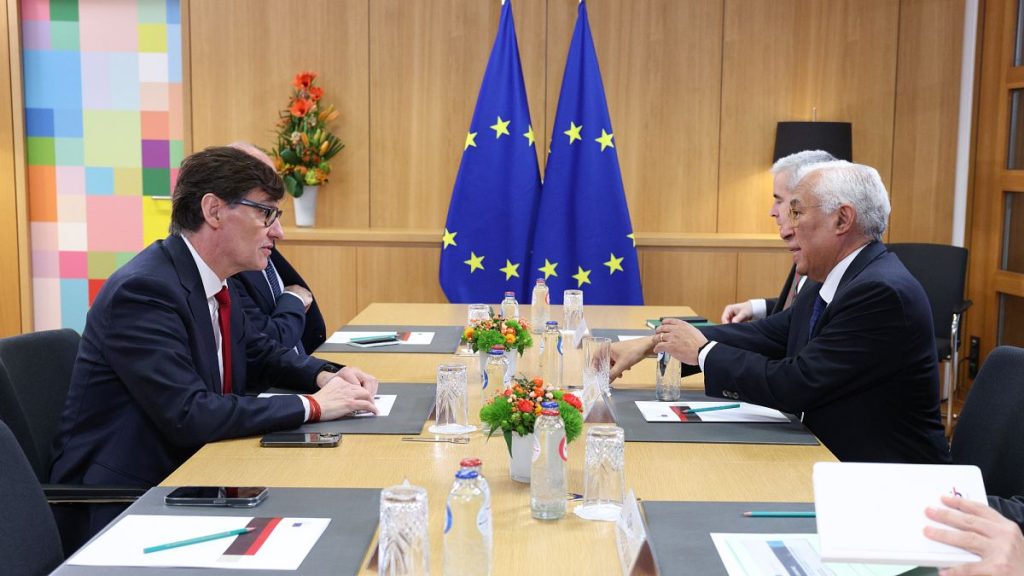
(344, 392)
(679, 339)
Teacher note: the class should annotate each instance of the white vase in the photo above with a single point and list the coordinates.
(305, 207)
(522, 457)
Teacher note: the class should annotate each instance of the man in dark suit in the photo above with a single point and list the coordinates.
(165, 358)
(276, 300)
(856, 356)
(783, 182)
(994, 534)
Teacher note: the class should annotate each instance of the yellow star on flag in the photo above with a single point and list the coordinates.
(614, 264)
(573, 132)
(582, 277)
(510, 269)
(448, 238)
(501, 127)
(605, 140)
(470, 140)
(529, 136)
(548, 269)
(633, 238)
(475, 262)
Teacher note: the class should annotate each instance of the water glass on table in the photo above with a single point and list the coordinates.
(403, 547)
(604, 474)
(572, 307)
(474, 312)
(597, 353)
(451, 403)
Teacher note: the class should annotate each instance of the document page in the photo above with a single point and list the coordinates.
(404, 338)
(786, 555)
(654, 411)
(273, 544)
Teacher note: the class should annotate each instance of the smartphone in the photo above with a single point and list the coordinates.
(229, 496)
(301, 439)
(381, 340)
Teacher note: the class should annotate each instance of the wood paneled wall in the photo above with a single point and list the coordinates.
(694, 87)
(12, 238)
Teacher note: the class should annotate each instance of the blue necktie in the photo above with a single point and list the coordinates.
(819, 307)
(275, 284)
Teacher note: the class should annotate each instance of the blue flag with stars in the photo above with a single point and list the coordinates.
(584, 239)
(494, 203)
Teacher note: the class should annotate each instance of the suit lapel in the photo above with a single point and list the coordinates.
(870, 252)
(199, 307)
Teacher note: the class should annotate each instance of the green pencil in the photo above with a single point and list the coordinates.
(778, 514)
(196, 540)
(710, 408)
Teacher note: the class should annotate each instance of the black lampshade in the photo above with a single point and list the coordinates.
(833, 137)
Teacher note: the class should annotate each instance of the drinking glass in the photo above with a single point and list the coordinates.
(572, 307)
(403, 548)
(451, 405)
(604, 474)
(474, 312)
(666, 379)
(596, 365)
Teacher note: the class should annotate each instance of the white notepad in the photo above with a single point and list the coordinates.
(875, 512)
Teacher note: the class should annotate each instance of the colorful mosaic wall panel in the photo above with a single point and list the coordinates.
(104, 137)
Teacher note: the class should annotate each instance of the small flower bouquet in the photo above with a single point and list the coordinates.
(304, 144)
(489, 332)
(516, 409)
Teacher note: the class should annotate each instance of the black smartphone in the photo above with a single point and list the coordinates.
(301, 440)
(228, 496)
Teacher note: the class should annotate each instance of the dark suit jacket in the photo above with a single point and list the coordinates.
(1012, 508)
(775, 305)
(145, 391)
(284, 320)
(867, 379)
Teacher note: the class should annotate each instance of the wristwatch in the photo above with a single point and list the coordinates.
(330, 367)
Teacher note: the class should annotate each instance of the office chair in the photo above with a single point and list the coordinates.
(942, 271)
(991, 427)
(29, 541)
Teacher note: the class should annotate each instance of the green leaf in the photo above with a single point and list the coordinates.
(292, 185)
(289, 156)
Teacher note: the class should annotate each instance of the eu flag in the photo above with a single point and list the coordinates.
(584, 239)
(490, 219)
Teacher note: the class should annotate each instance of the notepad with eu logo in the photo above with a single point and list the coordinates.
(874, 513)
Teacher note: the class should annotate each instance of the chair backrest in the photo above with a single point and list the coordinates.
(990, 432)
(942, 271)
(29, 541)
(39, 366)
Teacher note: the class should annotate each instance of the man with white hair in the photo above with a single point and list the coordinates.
(783, 181)
(855, 355)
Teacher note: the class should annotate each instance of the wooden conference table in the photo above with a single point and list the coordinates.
(655, 471)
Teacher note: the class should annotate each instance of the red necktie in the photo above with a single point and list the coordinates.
(224, 320)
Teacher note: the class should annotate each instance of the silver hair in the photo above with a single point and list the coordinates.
(791, 164)
(840, 182)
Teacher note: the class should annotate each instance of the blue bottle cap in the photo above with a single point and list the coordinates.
(466, 474)
(549, 405)
(552, 323)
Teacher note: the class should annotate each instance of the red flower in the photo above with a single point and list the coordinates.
(300, 107)
(507, 392)
(525, 406)
(573, 401)
(303, 80)
(315, 92)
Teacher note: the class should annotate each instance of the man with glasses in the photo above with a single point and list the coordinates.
(166, 356)
(855, 355)
(276, 300)
(783, 181)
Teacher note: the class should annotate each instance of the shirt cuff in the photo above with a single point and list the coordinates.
(305, 407)
(300, 297)
(702, 357)
(759, 308)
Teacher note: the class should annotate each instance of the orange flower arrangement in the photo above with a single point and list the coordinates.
(516, 408)
(304, 144)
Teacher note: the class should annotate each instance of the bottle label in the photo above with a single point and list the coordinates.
(536, 448)
(485, 380)
(560, 344)
(447, 518)
(483, 520)
(563, 450)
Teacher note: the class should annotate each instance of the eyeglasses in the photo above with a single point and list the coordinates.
(270, 214)
(796, 212)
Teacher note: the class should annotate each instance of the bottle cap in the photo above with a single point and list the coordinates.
(549, 405)
(466, 474)
(540, 281)
(550, 412)
(552, 323)
(497, 350)
(510, 294)
(470, 462)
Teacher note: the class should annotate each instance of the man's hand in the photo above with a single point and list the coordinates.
(626, 354)
(304, 294)
(339, 398)
(738, 312)
(679, 339)
(981, 530)
(350, 375)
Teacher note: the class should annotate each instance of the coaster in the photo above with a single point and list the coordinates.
(599, 512)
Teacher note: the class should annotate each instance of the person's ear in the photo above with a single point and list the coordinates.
(213, 209)
(845, 218)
